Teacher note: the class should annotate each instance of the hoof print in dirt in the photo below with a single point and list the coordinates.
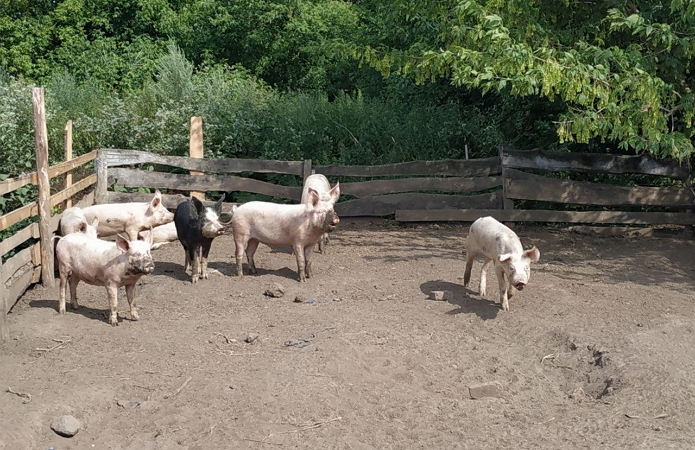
(128, 403)
(276, 291)
(66, 426)
(482, 390)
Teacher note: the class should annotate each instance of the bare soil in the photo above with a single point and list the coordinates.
(597, 352)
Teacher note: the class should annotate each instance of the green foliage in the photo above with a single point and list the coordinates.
(621, 69)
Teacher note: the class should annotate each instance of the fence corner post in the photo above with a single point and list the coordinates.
(306, 171)
(196, 149)
(507, 203)
(44, 201)
(101, 168)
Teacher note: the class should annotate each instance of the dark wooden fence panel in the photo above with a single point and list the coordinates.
(522, 185)
(592, 162)
(184, 182)
(451, 167)
(116, 157)
(596, 217)
(442, 184)
(384, 205)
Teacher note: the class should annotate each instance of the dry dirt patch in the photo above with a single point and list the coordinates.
(595, 353)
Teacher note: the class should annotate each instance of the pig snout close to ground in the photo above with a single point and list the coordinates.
(162, 234)
(196, 227)
(299, 226)
(320, 183)
(130, 218)
(501, 247)
(102, 263)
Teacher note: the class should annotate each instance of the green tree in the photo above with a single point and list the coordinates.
(621, 68)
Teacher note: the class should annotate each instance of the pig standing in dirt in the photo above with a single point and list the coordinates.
(163, 234)
(500, 246)
(196, 227)
(300, 226)
(129, 217)
(102, 263)
(322, 186)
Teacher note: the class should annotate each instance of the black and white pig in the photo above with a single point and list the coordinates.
(196, 227)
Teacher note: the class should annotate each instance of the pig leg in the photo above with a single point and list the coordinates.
(193, 256)
(112, 293)
(469, 267)
(308, 251)
(240, 242)
(130, 293)
(301, 268)
(63, 290)
(250, 251)
(205, 250)
(322, 246)
(483, 277)
(504, 300)
(73, 281)
(187, 263)
(511, 290)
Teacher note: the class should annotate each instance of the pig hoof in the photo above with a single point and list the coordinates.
(134, 316)
(483, 293)
(505, 306)
(194, 279)
(61, 311)
(253, 271)
(113, 321)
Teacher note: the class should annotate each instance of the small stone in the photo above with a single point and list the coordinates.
(441, 295)
(276, 291)
(299, 299)
(251, 338)
(337, 299)
(128, 403)
(66, 426)
(490, 389)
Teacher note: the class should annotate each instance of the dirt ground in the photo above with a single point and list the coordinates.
(597, 352)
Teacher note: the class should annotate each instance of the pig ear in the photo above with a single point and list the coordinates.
(335, 192)
(157, 199)
(313, 197)
(198, 205)
(95, 222)
(533, 254)
(218, 205)
(122, 243)
(504, 258)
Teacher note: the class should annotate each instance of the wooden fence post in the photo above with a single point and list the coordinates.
(45, 234)
(507, 203)
(68, 157)
(196, 149)
(4, 330)
(101, 169)
(306, 172)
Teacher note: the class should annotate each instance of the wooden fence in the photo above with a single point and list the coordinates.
(447, 190)
(34, 262)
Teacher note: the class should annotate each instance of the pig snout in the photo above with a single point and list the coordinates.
(143, 266)
(332, 221)
(520, 286)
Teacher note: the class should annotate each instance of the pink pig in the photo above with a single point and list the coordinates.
(320, 183)
(300, 226)
(129, 217)
(102, 263)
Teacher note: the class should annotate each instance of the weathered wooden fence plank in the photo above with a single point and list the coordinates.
(518, 215)
(383, 205)
(592, 162)
(185, 182)
(448, 184)
(170, 201)
(528, 186)
(44, 186)
(68, 157)
(20, 284)
(451, 167)
(116, 157)
(23, 235)
(17, 261)
(4, 327)
(12, 184)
